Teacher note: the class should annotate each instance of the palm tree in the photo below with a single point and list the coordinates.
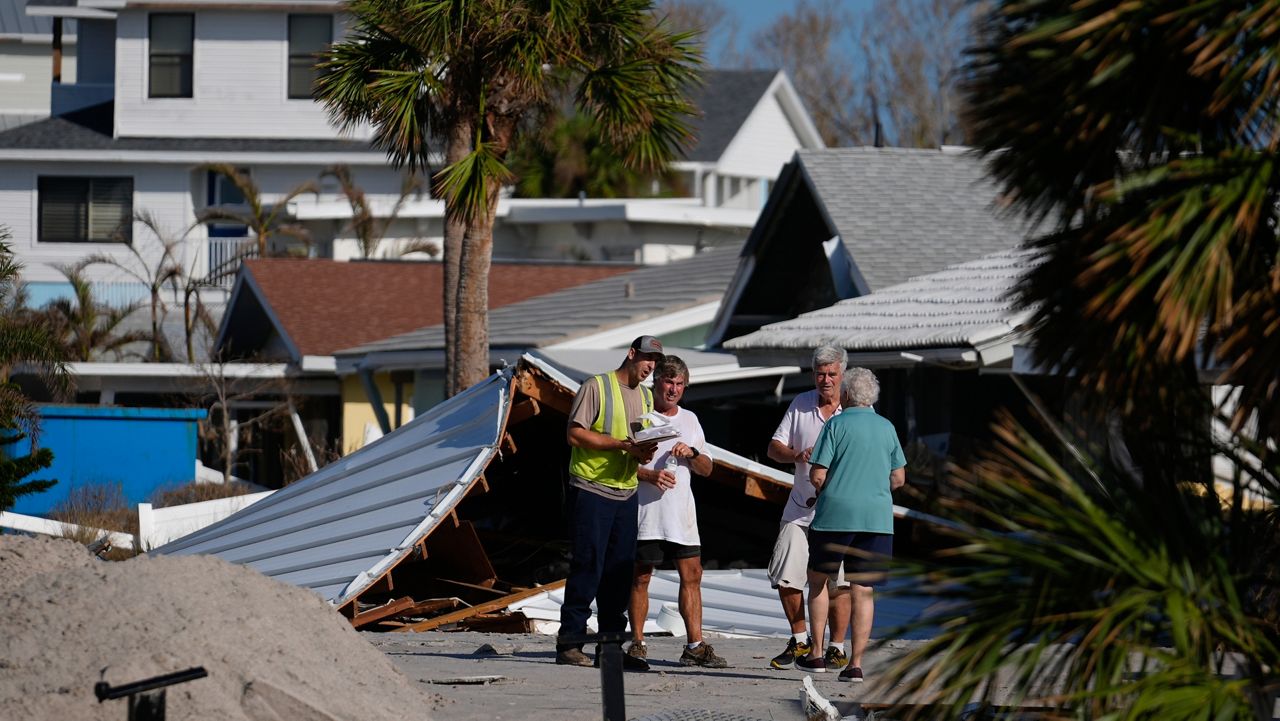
(1146, 136)
(264, 220)
(24, 339)
(367, 227)
(164, 271)
(87, 328)
(468, 73)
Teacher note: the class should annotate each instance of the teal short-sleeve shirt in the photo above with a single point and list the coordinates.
(859, 449)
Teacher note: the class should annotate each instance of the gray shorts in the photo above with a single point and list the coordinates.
(789, 565)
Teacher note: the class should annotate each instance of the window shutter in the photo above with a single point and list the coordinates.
(64, 214)
(111, 209)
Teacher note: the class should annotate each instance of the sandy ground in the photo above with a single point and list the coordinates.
(533, 688)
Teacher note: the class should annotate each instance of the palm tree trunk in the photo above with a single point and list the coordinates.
(473, 296)
(455, 230)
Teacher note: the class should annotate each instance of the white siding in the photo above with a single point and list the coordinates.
(240, 73)
(763, 145)
(26, 72)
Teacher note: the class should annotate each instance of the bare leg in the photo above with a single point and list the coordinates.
(864, 606)
(841, 608)
(640, 600)
(817, 611)
(690, 570)
(793, 606)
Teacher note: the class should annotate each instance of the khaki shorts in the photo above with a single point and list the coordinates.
(789, 565)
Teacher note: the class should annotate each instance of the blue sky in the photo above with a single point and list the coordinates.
(755, 14)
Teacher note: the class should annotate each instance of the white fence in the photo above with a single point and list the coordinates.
(156, 526)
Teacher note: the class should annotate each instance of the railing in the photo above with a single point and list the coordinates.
(225, 255)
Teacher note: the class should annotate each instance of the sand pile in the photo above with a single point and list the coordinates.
(273, 652)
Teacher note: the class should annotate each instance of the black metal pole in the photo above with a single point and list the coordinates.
(105, 691)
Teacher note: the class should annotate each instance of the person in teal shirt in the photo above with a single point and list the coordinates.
(857, 463)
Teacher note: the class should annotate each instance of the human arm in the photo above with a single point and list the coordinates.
(580, 437)
(897, 478)
(782, 453)
(661, 478)
(818, 477)
(699, 462)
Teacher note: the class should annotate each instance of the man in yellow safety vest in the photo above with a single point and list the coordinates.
(603, 505)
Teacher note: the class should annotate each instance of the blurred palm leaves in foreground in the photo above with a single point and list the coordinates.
(1146, 134)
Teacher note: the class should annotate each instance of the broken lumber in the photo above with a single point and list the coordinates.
(391, 608)
(487, 607)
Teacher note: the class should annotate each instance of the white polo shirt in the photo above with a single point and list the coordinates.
(799, 430)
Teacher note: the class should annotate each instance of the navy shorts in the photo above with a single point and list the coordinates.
(653, 552)
(861, 553)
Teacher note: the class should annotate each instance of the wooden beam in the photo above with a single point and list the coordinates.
(382, 585)
(546, 392)
(523, 411)
(509, 444)
(386, 610)
(487, 607)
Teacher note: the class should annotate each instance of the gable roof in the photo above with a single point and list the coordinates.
(896, 212)
(320, 306)
(632, 297)
(903, 212)
(966, 306)
(724, 98)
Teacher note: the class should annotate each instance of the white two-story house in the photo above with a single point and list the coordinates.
(164, 89)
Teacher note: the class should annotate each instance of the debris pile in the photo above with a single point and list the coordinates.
(272, 651)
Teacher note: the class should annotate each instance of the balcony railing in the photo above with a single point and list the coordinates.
(225, 255)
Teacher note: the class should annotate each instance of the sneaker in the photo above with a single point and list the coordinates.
(703, 655)
(812, 665)
(835, 657)
(629, 662)
(638, 649)
(852, 674)
(787, 659)
(572, 657)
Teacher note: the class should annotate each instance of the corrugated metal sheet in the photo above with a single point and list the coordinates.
(739, 603)
(339, 529)
(962, 306)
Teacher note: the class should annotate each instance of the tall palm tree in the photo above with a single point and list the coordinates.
(467, 73)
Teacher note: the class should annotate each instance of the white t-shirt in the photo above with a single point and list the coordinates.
(670, 515)
(799, 430)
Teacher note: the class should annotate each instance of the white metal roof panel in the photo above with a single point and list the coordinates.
(337, 530)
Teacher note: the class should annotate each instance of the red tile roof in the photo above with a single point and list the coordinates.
(327, 305)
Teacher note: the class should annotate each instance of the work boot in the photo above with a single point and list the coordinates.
(835, 657)
(703, 655)
(638, 649)
(795, 649)
(572, 657)
(629, 662)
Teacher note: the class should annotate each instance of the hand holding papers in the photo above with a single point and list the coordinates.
(660, 429)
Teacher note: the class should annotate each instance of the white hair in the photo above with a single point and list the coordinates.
(828, 354)
(860, 388)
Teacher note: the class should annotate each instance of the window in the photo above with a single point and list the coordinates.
(172, 37)
(79, 210)
(223, 192)
(309, 35)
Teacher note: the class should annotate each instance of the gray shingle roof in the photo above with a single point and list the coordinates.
(90, 129)
(961, 306)
(905, 212)
(725, 99)
(591, 307)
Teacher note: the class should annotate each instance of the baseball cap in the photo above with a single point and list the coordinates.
(647, 344)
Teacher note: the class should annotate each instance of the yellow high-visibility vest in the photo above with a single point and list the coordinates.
(614, 469)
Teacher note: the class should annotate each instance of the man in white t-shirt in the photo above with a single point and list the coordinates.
(788, 567)
(668, 523)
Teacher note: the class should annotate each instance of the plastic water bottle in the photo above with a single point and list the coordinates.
(672, 464)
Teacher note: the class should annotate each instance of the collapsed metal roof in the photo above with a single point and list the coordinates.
(340, 529)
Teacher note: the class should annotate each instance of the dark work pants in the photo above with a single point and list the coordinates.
(603, 533)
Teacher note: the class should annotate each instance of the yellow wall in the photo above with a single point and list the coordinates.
(357, 411)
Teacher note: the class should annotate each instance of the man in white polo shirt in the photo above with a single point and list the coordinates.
(789, 567)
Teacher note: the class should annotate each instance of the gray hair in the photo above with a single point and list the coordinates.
(828, 354)
(860, 388)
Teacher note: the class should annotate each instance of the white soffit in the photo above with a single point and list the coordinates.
(339, 529)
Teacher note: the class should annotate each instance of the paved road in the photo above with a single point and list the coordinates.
(534, 688)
